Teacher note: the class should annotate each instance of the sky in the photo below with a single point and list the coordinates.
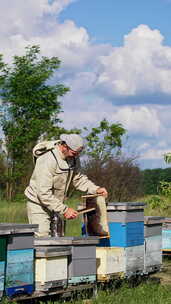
(115, 57)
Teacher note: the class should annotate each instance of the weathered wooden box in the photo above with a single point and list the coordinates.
(125, 212)
(124, 262)
(20, 259)
(51, 267)
(82, 261)
(153, 243)
(153, 225)
(153, 253)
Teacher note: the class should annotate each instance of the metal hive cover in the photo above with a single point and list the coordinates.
(61, 241)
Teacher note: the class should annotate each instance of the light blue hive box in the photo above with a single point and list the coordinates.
(166, 235)
(19, 278)
(4, 233)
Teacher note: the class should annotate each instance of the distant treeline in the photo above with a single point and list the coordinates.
(151, 179)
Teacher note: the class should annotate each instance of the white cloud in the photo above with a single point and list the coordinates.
(154, 153)
(140, 119)
(97, 74)
(142, 65)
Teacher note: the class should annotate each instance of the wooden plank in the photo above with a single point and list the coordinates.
(85, 210)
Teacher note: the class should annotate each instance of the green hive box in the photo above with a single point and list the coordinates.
(3, 257)
(3, 252)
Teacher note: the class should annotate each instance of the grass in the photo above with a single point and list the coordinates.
(156, 205)
(15, 212)
(145, 293)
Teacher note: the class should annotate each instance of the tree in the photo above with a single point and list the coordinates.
(103, 140)
(30, 109)
(121, 177)
(167, 157)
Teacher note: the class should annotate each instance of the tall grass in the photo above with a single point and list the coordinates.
(156, 205)
(145, 293)
(15, 212)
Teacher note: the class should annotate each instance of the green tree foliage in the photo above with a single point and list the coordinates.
(152, 179)
(30, 108)
(167, 157)
(104, 139)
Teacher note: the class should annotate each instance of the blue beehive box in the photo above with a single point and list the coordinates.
(124, 235)
(3, 255)
(126, 225)
(166, 235)
(19, 276)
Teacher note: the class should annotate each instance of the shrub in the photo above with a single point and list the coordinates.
(121, 177)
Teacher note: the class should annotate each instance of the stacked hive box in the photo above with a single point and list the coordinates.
(123, 252)
(166, 235)
(19, 276)
(153, 243)
(81, 262)
(4, 233)
(51, 267)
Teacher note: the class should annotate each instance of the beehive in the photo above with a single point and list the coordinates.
(126, 225)
(3, 255)
(51, 267)
(123, 262)
(153, 243)
(125, 212)
(20, 259)
(82, 261)
(166, 235)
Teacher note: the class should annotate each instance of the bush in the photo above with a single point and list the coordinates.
(121, 177)
(155, 201)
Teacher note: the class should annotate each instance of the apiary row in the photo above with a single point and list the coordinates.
(29, 265)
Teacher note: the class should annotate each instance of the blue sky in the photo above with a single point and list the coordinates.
(109, 20)
(115, 57)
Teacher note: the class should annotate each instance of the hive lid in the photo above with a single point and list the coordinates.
(153, 220)
(125, 206)
(12, 228)
(52, 251)
(167, 220)
(61, 241)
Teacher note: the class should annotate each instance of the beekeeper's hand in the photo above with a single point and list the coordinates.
(70, 213)
(102, 191)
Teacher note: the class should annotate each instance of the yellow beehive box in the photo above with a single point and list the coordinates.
(109, 260)
(125, 261)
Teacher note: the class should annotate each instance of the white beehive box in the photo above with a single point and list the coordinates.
(119, 261)
(109, 260)
(153, 253)
(153, 243)
(51, 267)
